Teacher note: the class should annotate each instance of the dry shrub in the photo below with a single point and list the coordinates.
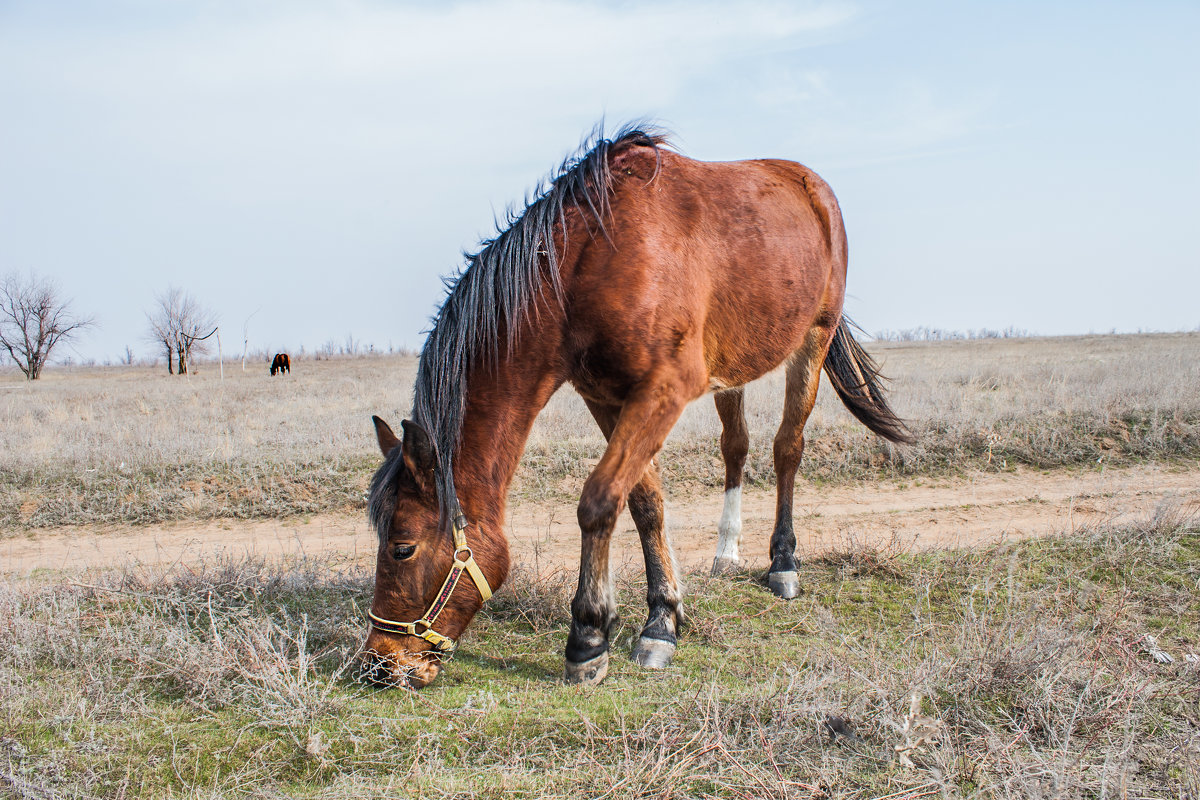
(1155, 538)
(855, 558)
(271, 638)
(230, 634)
(541, 600)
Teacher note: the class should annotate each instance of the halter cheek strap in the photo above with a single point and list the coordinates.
(464, 561)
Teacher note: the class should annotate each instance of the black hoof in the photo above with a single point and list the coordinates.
(653, 653)
(784, 584)
(587, 673)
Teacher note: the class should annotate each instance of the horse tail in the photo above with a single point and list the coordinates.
(855, 377)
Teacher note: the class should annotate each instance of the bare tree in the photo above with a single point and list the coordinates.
(162, 324)
(34, 318)
(182, 326)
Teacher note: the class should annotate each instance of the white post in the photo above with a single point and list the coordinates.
(246, 337)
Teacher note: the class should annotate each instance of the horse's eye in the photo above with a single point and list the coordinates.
(403, 551)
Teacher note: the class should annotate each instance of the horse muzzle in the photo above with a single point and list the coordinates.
(384, 662)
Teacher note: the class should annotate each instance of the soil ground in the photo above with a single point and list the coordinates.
(971, 511)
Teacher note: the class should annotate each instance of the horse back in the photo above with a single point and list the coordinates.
(716, 269)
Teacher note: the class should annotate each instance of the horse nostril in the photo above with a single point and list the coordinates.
(375, 669)
(384, 673)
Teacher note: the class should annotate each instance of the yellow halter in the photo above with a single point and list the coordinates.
(423, 627)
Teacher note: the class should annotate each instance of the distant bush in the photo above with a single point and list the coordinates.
(924, 334)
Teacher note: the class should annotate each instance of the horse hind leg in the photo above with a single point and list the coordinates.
(735, 444)
(803, 378)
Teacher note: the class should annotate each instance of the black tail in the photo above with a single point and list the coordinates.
(855, 377)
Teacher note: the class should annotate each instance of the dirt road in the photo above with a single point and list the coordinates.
(922, 513)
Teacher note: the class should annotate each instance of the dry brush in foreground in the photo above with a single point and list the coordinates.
(1053, 668)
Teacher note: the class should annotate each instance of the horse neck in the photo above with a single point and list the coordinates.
(502, 403)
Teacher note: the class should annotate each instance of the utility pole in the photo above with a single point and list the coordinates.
(246, 337)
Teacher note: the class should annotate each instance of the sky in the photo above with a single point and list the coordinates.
(310, 170)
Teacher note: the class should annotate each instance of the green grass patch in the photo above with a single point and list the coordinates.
(1030, 664)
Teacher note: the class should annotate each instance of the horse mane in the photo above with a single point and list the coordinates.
(492, 296)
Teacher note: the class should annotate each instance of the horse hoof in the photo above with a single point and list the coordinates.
(653, 653)
(587, 673)
(784, 584)
(724, 566)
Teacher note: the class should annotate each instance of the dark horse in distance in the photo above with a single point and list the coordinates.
(281, 364)
(644, 279)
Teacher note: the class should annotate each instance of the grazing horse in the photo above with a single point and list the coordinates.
(281, 364)
(644, 279)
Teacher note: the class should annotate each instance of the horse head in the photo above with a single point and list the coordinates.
(421, 604)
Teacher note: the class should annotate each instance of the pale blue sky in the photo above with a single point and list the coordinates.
(1025, 164)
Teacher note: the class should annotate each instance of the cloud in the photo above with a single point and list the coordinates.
(289, 79)
(846, 126)
(217, 144)
(790, 88)
(511, 45)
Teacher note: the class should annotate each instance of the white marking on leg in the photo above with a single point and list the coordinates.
(729, 531)
(677, 587)
(610, 590)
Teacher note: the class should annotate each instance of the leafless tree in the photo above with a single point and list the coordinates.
(182, 326)
(34, 318)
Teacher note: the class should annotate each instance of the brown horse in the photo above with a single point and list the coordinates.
(281, 364)
(645, 279)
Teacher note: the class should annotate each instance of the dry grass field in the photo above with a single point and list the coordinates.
(1056, 667)
(135, 445)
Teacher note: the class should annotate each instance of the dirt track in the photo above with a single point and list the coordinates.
(969, 511)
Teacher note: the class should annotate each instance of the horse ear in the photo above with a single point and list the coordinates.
(387, 438)
(418, 451)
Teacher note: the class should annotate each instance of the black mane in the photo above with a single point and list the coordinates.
(488, 301)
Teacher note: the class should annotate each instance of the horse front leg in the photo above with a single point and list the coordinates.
(642, 425)
(656, 645)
